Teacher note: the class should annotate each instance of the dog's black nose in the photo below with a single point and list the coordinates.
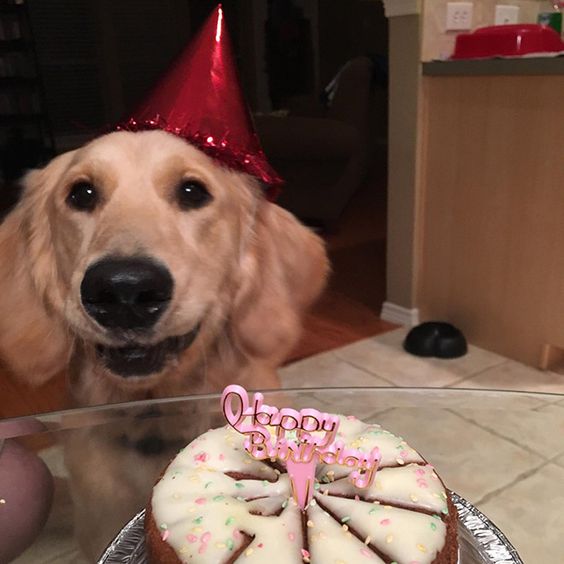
(126, 293)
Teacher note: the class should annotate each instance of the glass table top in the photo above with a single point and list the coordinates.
(502, 451)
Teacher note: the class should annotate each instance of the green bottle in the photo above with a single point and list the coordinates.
(551, 15)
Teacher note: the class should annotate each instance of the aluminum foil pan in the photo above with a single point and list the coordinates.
(481, 542)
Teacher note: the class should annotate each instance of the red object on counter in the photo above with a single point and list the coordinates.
(512, 40)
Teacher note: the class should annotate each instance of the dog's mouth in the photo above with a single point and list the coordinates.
(143, 360)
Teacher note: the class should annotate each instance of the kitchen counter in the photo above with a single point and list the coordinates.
(529, 66)
(491, 207)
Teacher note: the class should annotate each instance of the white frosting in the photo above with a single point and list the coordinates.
(200, 511)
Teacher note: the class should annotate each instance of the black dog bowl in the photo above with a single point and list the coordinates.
(437, 339)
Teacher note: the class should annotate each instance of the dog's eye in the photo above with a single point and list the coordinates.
(192, 194)
(83, 197)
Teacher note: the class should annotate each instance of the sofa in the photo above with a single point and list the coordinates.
(321, 149)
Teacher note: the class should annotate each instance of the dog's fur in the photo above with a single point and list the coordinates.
(243, 268)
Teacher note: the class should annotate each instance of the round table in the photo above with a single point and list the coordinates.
(502, 451)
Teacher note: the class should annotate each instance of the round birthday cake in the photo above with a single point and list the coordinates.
(217, 504)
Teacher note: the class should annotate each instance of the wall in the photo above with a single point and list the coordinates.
(439, 43)
(403, 116)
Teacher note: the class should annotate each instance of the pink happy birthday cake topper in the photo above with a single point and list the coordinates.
(294, 441)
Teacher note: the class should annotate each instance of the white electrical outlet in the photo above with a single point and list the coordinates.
(505, 14)
(459, 16)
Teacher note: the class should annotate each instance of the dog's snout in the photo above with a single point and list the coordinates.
(126, 293)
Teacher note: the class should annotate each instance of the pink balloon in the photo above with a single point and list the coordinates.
(26, 493)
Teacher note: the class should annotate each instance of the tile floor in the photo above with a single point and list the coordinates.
(506, 457)
(504, 454)
(381, 361)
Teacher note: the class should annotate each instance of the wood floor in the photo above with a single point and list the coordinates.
(347, 311)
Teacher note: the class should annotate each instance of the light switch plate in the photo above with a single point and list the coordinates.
(459, 16)
(506, 14)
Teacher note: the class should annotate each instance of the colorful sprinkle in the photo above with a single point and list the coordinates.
(413, 498)
(433, 526)
(229, 544)
(198, 520)
(205, 537)
(201, 500)
(345, 519)
(373, 510)
(208, 484)
(389, 539)
(218, 498)
(400, 461)
(239, 485)
(230, 521)
(420, 472)
(163, 527)
(421, 548)
(310, 523)
(165, 535)
(385, 522)
(365, 552)
(291, 537)
(367, 540)
(201, 457)
(265, 483)
(284, 504)
(191, 538)
(249, 551)
(221, 456)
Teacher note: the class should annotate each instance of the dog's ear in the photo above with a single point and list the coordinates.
(283, 271)
(33, 341)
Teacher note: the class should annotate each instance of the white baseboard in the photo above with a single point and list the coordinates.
(399, 314)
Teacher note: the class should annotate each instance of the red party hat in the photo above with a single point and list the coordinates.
(199, 99)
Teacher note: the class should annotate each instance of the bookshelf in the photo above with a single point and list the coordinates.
(26, 138)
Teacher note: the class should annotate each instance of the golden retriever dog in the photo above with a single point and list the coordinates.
(144, 269)
(151, 271)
